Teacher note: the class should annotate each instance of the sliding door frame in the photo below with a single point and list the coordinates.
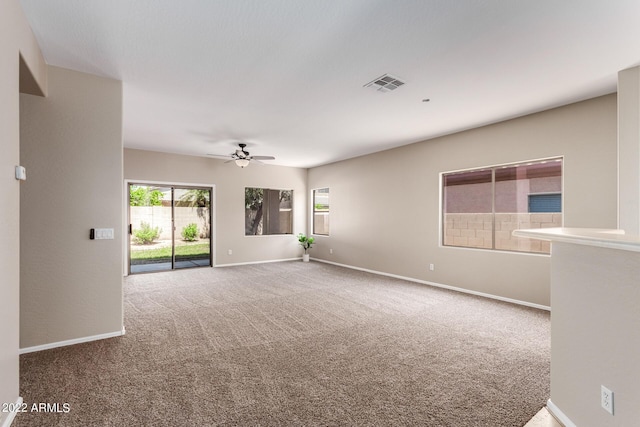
(127, 237)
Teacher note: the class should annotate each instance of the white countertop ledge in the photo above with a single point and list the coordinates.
(604, 238)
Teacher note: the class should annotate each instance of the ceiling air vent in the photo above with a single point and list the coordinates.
(385, 83)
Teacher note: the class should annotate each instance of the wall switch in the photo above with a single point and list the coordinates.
(606, 399)
(432, 267)
(229, 252)
(103, 233)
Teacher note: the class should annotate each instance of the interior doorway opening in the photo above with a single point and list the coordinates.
(169, 227)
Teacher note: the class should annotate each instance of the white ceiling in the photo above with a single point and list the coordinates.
(287, 76)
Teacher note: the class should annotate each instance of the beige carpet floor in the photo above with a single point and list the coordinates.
(297, 343)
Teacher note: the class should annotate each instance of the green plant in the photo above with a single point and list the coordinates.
(142, 196)
(305, 241)
(146, 256)
(196, 197)
(190, 232)
(146, 235)
(200, 199)
(155, 198)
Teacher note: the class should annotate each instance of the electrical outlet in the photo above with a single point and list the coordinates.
(606, 399)
(331, 251)
(432, 267)
(229, 252)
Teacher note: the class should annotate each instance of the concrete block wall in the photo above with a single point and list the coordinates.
(160, 216)
(475, 230)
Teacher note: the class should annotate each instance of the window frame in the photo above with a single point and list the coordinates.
(313, 210)
(292, 212)
(493, 168)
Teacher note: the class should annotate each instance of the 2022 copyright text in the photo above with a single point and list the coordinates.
(59, 408)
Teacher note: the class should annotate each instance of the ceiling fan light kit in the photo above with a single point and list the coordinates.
(242, 163)
(242, 158)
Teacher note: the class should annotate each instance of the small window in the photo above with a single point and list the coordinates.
(541, 203)
(268, 211)
(482, 207)
(321, 211)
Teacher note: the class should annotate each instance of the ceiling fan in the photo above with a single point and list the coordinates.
(242, 157)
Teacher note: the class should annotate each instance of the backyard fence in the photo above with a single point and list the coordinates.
(475, 230)
(160, 216)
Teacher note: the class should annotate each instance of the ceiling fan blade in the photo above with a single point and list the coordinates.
(218, 156)
(263, 157)
(254, 160)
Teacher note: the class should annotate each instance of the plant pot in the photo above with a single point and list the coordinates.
(305, 258)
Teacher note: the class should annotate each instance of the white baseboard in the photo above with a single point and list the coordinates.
(11, 415)
(440, 285)
(559, 415)
(72, 342)
(257, 262)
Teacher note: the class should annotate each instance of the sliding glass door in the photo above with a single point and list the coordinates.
(169, 227)
(192, 219)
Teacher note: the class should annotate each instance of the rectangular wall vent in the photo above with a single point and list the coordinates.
(385, 83)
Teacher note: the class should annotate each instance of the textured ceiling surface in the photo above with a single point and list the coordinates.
(287, 77)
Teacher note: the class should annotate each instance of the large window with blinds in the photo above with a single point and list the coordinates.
(482, 207)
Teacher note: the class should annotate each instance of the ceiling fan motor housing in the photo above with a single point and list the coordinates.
(241, 152)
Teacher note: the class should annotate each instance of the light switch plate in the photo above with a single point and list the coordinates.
(104, 233)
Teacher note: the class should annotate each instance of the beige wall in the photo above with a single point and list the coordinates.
(71, 145)
(229, 181)
(629, 149)
(385, 213)
(16, 39)
(595, 333)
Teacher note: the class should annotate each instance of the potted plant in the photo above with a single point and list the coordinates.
(306, 243)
